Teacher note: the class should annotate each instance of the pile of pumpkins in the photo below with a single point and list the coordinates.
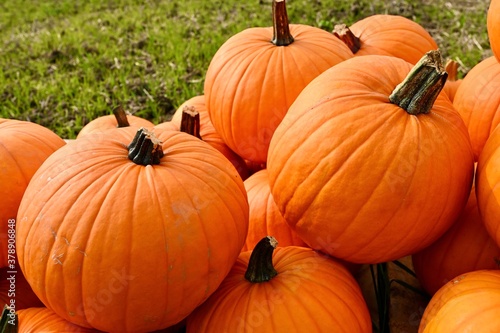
(310, 153)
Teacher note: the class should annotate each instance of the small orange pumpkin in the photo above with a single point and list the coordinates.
(205, 130)
(264, 216)
(453, 82)
(478, 101)
(385, 34)
(41, 319)
(465, 247)
(287, 289)
(468, 303)
(118, 119)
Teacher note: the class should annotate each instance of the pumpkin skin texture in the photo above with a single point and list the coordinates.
(250, 82)
(41, 319)
(493, 27)
(468, 303)
(289, 302)
(391, 35)
(265, 217)
(478, 101)
(23, 148)
(359, 177)
(122, 247)
(465, 247)
(209, 134)
(487, 189)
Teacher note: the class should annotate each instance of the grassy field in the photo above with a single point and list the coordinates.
(66, 62)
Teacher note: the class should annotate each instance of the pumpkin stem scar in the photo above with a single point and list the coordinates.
(145, 148)
(121, 116)
(418, 91)
(342, 32)
(260, 266)
(190, 122)
(281, 28)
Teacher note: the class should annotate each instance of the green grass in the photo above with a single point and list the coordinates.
(66, 62)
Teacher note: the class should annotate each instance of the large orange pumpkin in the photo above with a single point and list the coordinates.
(23, 148)
(370, 164)
(124, 233)
(288, 290)
(256, 75)
(464, 248)
(384, 34)
(487, 185)
(265, 217)
(493, 26)
(468, 303)
(477, 99)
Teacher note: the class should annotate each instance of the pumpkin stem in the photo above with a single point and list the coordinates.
(145, 148)
(418, 91)
(121, 116)
(281, 28)
(260, 266)
(8, 321)
(451, 68)
(190, 122)
(342, 32)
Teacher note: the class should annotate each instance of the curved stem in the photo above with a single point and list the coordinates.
(418, 91)
(190, 121)
(121, 116)
(281, 28)
(145, 148)
(342, 32)
(260, 266)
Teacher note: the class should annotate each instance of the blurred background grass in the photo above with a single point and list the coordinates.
(66, 62)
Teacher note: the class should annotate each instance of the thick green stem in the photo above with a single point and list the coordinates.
(417, 93)
(145, 148)
(8, 321)
(281, 28)
(342, 32)
(190, 121)
(260, 266)
(121, 117)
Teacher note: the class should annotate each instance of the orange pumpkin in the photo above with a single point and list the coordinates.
(256, 75)
(487, 185)
(453, 82)
(290, 289)
(117, 232)
(118, 119)
(384, 34)
(464, 248)
(468, 303)
(493, 27)
(478, 101)
(370, 164)
(24, 146)
(41, 319)
(265, 217)
(207, 131)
